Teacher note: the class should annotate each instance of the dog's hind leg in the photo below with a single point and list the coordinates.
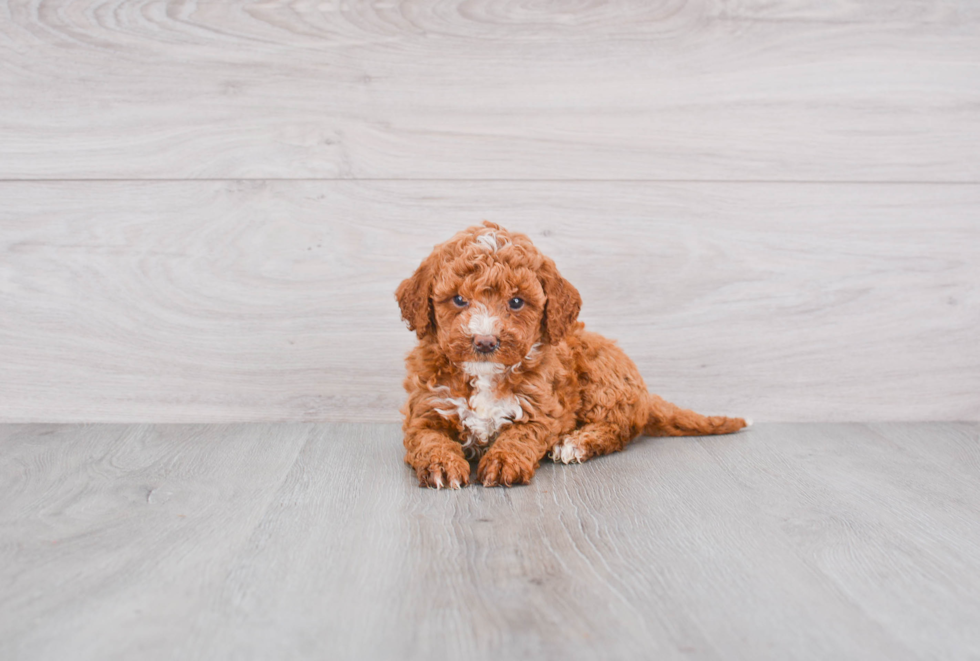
(590, 440)
(666, 419)
(594, 439)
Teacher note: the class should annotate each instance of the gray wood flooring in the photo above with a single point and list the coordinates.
(312, 541)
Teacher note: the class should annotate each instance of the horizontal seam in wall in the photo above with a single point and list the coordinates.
(840, 182)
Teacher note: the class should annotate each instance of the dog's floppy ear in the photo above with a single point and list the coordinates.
(414, 298)
(563, 304)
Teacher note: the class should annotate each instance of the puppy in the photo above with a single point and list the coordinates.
(504, 374)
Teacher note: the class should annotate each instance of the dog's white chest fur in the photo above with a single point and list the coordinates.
(484, 414)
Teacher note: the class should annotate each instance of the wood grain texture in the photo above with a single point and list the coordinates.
(667, 90)
(244, 298)
(225, 301)
(312, 541)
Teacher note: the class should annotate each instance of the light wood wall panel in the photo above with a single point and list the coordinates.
(807, 90)
(219, 301)
(205, 206)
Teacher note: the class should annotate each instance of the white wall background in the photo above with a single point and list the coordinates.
(206, 206)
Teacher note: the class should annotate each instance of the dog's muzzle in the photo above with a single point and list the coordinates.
(485, 343)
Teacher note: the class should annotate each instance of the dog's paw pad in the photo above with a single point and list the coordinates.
(448, 475)
(567, 452)
(502, 469)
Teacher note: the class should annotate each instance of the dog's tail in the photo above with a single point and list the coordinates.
(666, 419)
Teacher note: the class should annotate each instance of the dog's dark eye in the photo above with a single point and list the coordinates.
(516, 303)
(459, 301)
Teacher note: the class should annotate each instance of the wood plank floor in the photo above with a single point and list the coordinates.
(296, 541)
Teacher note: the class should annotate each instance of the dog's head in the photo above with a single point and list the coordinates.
(488, 295)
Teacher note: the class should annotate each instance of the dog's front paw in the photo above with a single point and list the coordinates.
(449, 472)
(500, 468)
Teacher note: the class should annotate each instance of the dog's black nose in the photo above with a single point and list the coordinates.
(485, 343)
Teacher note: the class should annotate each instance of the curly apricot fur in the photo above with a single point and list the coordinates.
(549, 386)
